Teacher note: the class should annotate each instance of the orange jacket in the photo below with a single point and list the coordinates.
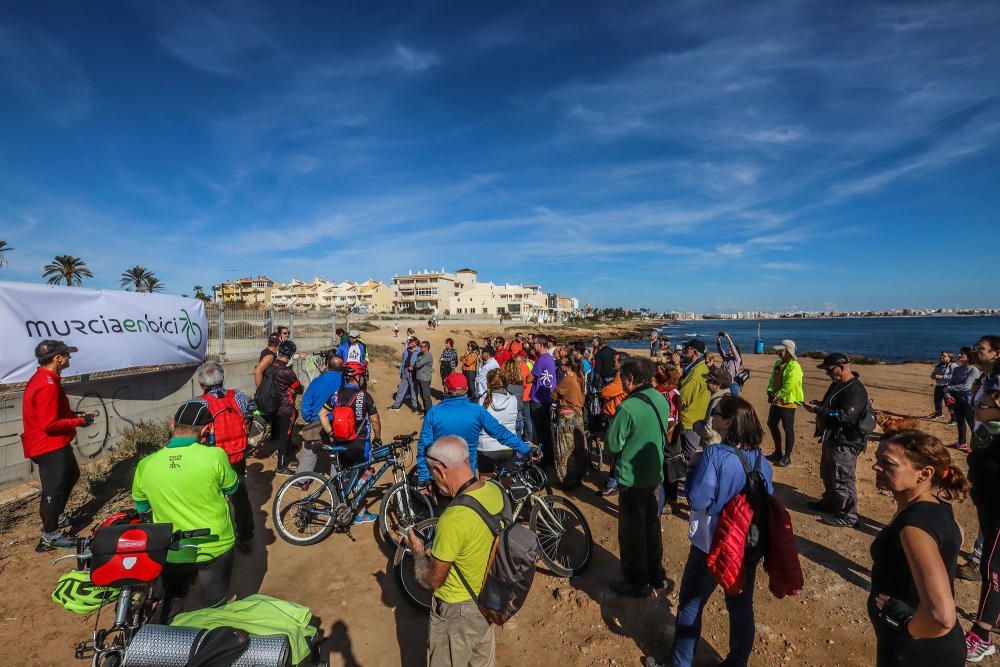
(612, 396)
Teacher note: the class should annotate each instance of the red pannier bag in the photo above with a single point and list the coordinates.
(128, 554)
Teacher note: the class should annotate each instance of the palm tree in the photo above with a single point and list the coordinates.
(199, 293)
(4, 248)
(135, 278)
(68, 268)
(151, 284)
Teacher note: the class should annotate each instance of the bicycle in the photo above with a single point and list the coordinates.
(129, 557)
(305, 515)
(564, 537)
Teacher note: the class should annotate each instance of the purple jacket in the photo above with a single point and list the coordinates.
(544, 371)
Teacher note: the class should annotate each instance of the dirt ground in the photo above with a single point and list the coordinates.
(347, 583)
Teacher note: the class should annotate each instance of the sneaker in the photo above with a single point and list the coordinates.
(365, 517)
(63, 541)
(783, 462)
(608, 491)
(976, 649)
(962, 447)
(776, 456)
(839, 521)
(74, 521)
(952, 421)
(969, 572)
(650, 661)
(284, 471)
(393, 408)
(627, 589)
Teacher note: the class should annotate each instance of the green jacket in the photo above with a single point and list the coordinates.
(635, 437)
(694, 395)
(790, 392)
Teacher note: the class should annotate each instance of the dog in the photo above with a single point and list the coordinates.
(892, 424)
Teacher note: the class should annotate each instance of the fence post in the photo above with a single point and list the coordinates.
(291, 323)
(268, 322)
(347, 319)
(222, 331)
(333, 327)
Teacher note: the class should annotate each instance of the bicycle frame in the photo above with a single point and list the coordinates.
(352, 496)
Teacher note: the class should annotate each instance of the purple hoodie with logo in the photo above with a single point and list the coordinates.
(544, 371)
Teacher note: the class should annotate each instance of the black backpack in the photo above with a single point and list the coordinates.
(267, 398)
(511, 565)
(759, 500)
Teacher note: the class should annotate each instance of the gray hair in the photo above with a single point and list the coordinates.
(210, 374)
(450, 450)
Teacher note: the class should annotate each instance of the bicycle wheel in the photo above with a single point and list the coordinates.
(304, 516)
(402, 506)
(406, 577)
(563, 535)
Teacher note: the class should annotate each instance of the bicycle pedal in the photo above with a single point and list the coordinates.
(84, 650)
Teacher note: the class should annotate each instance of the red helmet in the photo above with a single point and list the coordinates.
(355, 369)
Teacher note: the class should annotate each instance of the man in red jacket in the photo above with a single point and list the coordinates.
(49, 428)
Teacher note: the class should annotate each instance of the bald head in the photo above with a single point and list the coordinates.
(448, 461)
(450, 450)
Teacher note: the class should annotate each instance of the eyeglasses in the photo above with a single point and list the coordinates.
(431, 458)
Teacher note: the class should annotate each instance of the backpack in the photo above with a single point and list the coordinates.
(510, 568)
(742, 377)
(758, 498)
(230, 426)
(866, 421)
(343, 419)
(267, 398)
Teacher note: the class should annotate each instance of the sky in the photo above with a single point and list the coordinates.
(689, 155)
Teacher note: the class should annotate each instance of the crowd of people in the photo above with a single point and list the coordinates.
(673, 427)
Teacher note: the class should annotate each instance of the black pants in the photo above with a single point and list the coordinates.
(425, 393)
(786, 417)
(541, 419)
(213, 578)
(989, 568)
(282, 437)
(58, 472)
(639, 540)
(491, 462)
(965, 415)
(242, 511)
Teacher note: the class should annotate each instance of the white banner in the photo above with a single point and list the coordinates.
(112, 329)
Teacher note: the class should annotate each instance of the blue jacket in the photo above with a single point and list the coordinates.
(459, 416)
(719, 476)
(319, 392)
(344, 347)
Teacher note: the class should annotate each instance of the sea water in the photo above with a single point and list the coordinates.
(894, 339)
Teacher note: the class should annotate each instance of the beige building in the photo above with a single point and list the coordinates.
(253, 292)
(461, 294)
(375, 296)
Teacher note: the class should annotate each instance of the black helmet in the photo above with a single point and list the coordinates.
(286, 348)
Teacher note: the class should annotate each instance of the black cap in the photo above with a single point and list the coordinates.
(193, 413)
(696, 344)
(47, 349)
(287, 348)
(835, 359)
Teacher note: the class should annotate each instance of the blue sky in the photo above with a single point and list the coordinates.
(689, 155)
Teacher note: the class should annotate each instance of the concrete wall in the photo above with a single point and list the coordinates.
(118, 402)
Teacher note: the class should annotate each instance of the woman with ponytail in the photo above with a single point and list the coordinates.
(912, 604)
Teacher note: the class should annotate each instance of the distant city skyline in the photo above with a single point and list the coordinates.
(715, 156)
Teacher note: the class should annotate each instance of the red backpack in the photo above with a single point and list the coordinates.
(343, 419)
(230, 425)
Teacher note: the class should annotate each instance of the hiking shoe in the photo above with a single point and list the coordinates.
(64, 541)
(976, 649)
(284, 471)
(365, 517)
(783, 462)
(969, 572)
(839, 521)
(628, 589)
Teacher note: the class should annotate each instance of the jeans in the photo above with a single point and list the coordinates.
(697, 586)
(786, 417)
(58, 472)
(524, 419)
(425, 393)
(965, 415)
(407, 386)
(470, 380)
(939, 394)
(639, 540)
(735, 388)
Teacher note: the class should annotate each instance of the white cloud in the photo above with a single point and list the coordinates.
(414, 61)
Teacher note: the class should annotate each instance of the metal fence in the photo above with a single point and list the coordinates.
(235, 334)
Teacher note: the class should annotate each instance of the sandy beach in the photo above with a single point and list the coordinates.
(346, 581)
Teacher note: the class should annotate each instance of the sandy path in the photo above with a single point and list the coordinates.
(346, 584)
